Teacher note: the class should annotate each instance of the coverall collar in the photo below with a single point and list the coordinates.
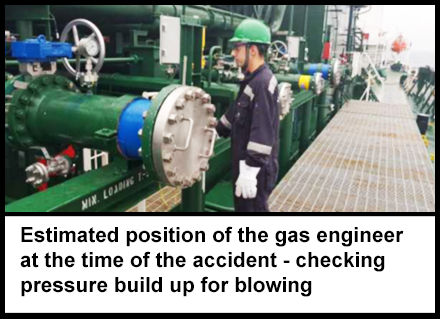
(250, 76)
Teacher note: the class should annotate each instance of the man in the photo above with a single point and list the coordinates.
(253, 121)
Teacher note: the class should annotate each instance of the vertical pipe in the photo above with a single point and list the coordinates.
(187, 54)
(292, 14)
(286, 141)
(155, 11)
(326, 14)
(305, 128)
(49, 31)
(25, 29)
(306, 21)
(336, 43)
(211, 61)
(350, 30)
(353, 38)
(198, 56)
(337, 98)
(193, 199)
(322, 107)
(183, 12)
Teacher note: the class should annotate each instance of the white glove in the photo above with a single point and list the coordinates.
(247, 182)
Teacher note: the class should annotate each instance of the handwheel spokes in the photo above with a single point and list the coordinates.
(75, 35)
(84, 49)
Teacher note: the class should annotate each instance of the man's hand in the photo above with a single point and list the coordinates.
(247, 182)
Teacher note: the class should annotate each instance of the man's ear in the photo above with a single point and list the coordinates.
(254, 50)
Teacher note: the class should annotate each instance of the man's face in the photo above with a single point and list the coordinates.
(239, 53)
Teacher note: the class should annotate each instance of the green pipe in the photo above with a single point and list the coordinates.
(291, 18)
(131, 60)
(211, 61)
(126, 27)
(193, 199)
(322, 114)
(49, 30)
(351, 29)
(25, 29)
(337, 98)
(305, 129)
(286, 141)
(306, 20)
(329, 26)
(50, 112)
(138, 84)
(142, 83)
(277, 18)
(215, 19)
(70, 117)
(134, 83)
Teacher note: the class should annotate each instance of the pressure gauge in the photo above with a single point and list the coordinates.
(92, 48)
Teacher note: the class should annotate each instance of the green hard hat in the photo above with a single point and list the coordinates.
(252, 31)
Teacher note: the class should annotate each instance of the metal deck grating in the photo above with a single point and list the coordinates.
(380, 109)
(371, 158)
(163, 201)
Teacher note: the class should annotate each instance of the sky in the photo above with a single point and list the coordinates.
(416, 22)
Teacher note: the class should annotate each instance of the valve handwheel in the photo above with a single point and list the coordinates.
(92, 47)
(279, 50)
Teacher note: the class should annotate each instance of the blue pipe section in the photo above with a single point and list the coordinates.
(322, 68)
(325, 72)
(313, 69)
(130, 123)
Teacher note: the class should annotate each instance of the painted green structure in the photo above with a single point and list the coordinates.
(54, 112)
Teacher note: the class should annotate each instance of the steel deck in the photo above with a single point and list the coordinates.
(370, 158)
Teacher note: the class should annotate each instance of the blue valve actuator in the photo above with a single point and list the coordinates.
(40, 50)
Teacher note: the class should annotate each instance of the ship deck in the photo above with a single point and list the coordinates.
(370, 158)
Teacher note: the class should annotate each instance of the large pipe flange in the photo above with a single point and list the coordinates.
(179, 135)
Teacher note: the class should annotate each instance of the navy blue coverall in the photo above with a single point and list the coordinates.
(253, 123)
